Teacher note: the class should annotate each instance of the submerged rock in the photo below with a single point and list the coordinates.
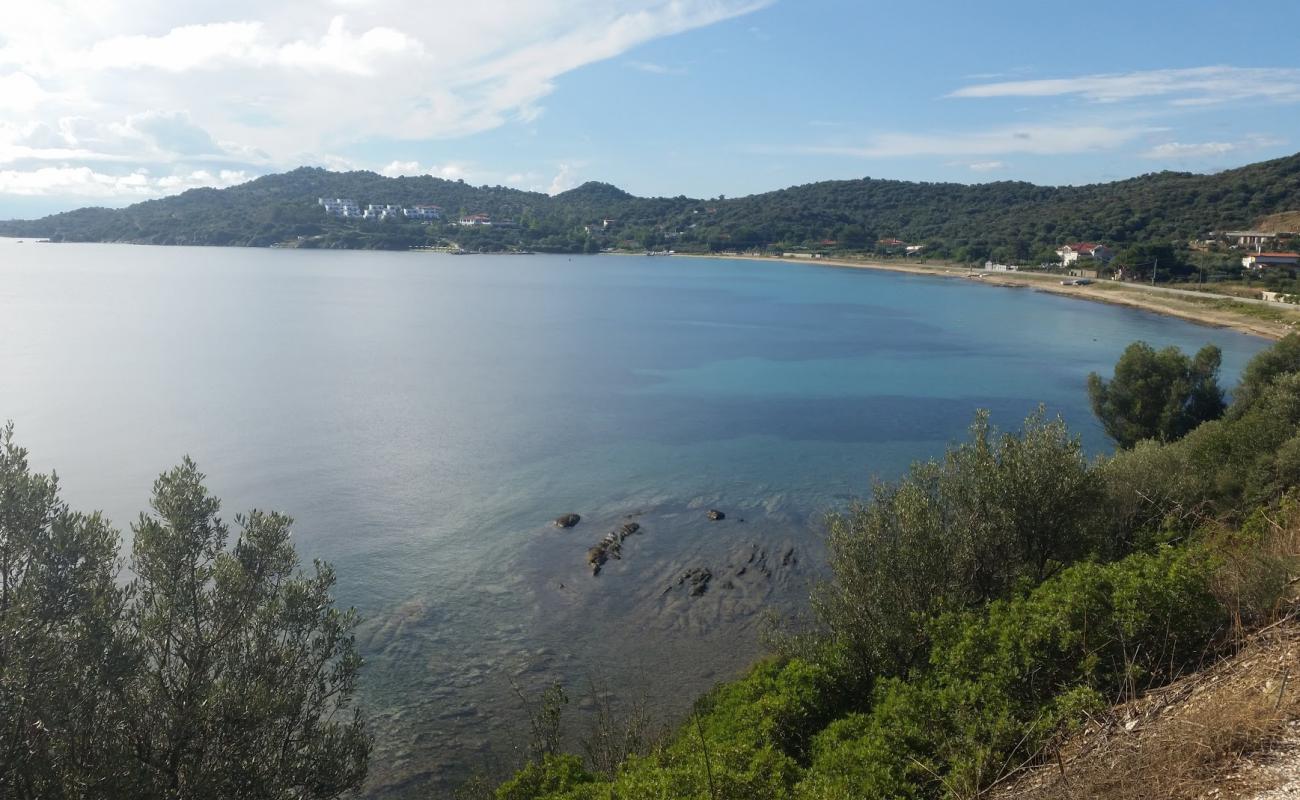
(715, 514)
(611, 546)
(696, 580)
(567, 520)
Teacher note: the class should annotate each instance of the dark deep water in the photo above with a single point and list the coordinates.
(424, 417)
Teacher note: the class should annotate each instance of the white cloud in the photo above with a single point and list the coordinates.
(656, 69)
(564, 180)
(182, 48)
(398, 168)
(118, 85)
(19, 92)
(986, 166)
(339, 50)
(1194, 86)
(84, 183)
(1030, 139)
(1197, 150)
(1173, 151)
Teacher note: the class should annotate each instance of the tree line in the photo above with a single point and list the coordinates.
(1005, 221)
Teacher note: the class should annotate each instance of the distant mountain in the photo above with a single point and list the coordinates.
(1012, 220)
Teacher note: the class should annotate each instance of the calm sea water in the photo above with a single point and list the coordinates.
(424, 417)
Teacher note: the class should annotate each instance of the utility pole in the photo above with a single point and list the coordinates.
(1155, 265)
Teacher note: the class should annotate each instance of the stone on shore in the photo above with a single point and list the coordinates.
(567, 520)
(715, 514)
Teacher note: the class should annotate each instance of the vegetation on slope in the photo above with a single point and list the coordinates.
(988, 602)
(217, 672)
(1009, 221)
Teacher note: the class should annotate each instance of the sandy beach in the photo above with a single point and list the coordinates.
(1271, 320)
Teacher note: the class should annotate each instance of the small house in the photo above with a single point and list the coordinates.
(1262, 260)
(1085, 250)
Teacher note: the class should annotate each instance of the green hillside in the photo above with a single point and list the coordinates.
(1009, 220)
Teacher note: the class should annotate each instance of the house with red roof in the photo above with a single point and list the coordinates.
(1085, 250)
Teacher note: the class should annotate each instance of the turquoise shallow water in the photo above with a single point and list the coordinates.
(424, 417)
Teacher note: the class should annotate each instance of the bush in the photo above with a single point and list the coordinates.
(1282, 358)
(951, 535)
(554, 774)
(1002, 681)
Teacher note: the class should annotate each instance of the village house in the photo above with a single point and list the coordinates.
(475, 219)
(1085, 250)
(1261, 260)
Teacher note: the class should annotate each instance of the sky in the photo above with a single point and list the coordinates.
(109, 102)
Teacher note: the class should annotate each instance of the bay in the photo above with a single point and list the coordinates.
(424, 417)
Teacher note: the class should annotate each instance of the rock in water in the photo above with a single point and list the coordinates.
(567, 520)
(610, 547)
(596, 559)
(715, 514)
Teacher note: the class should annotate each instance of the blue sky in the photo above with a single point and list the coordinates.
(121, 100)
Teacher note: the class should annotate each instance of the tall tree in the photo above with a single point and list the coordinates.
(250, 670)
(64, 662)
(219, 672)
(1159, 395)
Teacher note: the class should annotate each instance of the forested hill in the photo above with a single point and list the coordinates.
(1011, 220)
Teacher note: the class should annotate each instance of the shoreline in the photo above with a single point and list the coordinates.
(1186, 307)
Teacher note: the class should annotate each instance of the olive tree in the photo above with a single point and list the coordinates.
(950, 534)
(249, 670)
(1159, 395)
(65, 663)
(220, 671)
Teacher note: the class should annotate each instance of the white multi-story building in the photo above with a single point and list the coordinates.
(382, 211)
(339, 207)
(423, 212)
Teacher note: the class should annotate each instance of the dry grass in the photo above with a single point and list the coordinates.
(1209, 734)
(1283, 221)
(1192, 739)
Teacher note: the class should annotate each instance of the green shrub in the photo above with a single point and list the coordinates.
(546, 778)
(1001, 681)
(1281, 359)
(952, 534)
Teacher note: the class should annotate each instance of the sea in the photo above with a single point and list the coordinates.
(425, 417)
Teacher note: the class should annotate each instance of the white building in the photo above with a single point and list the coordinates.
(339, 207)
(1087, 250)
(1254, 239)
(382, 211)
(423, 212)
(1261, 260)
(475, 219)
